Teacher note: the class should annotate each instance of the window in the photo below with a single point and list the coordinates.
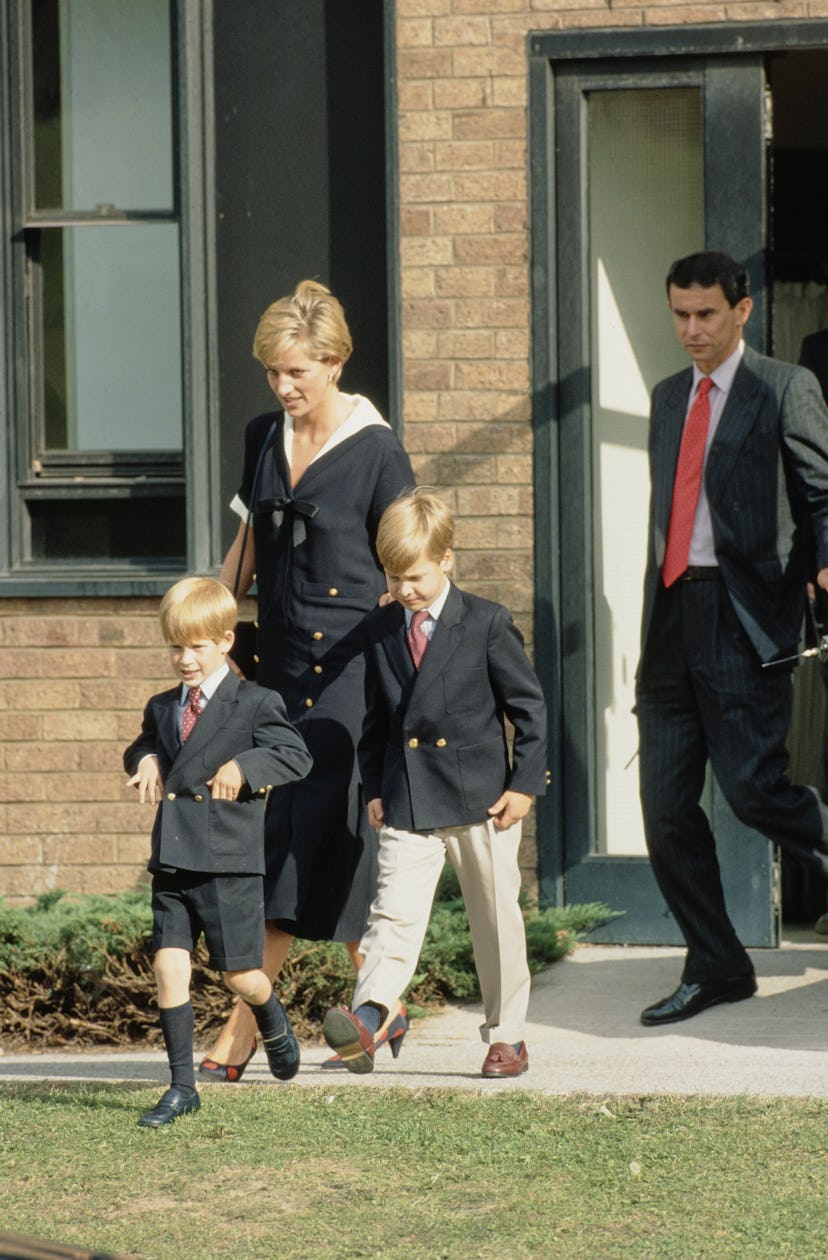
(101, 231)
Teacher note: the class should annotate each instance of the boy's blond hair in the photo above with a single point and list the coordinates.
(197, 608)
(310, 317)
(414, 523)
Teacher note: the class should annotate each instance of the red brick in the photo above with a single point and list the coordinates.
(106, 879)
(462, 32)
(40, 756)
(21, 851)
(66, 851)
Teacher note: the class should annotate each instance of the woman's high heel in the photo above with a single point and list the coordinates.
(231, 1073)
(394, 1035)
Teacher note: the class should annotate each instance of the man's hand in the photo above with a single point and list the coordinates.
(510, 808)
(376, 815)
(226, 783)
(822, 579)
(147, 779)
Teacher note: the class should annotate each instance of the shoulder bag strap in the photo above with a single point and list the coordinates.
(256, 478)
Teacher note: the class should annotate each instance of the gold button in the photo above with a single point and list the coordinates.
(317, 669)
(317, 634)
(255, 625)
(262, 791)
(198, 797)
(333, 591)
(171, 796)
(268, 788)
(413, 743)
(255, 658)
(441, 743)
(308, 703)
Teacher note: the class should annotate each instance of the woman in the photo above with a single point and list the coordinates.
(331, 466)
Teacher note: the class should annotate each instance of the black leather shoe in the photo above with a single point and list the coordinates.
(282, 1055)
(690, 999)
(176, 1102)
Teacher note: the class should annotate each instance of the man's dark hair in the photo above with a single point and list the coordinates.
(708, 269)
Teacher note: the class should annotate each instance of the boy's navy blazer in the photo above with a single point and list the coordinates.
(434, 744)
(242, 722)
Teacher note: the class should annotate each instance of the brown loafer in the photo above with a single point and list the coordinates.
(504, 1060)
(348, 1036)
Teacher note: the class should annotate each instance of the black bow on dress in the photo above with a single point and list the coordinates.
(297, 509)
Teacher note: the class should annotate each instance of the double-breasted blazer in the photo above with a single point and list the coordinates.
(766, 478)
(434, 745)
(242, 722)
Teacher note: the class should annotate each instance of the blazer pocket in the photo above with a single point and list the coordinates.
(482, 774)
(236, 832)
(463, 689)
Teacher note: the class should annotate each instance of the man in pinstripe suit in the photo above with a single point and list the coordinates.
(718, 604)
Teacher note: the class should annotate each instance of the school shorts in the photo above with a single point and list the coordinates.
(228, 909)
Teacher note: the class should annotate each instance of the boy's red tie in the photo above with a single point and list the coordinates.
(417, 637)
(192, 712)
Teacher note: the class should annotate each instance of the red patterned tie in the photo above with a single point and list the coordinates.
(417, 637)
(192, 712)
(687, 485)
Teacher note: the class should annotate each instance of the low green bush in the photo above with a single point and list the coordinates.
(78, 970)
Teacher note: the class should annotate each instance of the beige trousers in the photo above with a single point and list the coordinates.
(486, 862)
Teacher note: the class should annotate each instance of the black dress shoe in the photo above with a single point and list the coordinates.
(282, 1055)
(689, 999)
(174, 1103)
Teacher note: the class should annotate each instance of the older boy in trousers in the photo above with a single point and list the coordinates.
(208, 753)
(444, 669)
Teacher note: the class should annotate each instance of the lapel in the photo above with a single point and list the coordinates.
(737, 420)
(446, 637)
(167, 722)
(671, 414)
(211, 720)
(395, 645)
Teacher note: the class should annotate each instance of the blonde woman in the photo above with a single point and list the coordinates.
(330, 466)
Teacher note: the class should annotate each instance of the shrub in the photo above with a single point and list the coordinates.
(79, 969)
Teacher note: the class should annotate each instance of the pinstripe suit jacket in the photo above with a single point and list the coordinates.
(766, 478)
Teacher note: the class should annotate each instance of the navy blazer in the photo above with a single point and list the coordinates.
(242, 722)
(434, 745)
(766, 479)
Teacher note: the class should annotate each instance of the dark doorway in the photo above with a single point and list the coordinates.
(798, 274)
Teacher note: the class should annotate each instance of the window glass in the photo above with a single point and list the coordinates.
(111, 336)
(103, 134)
(645, 209)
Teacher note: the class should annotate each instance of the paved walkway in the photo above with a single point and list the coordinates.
(583, 1036)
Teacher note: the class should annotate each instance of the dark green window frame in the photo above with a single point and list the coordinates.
(110, 497)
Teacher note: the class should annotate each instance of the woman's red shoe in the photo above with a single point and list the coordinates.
(231, 1073)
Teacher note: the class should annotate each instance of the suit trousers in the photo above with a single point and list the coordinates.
(486, 862)
(702, 694)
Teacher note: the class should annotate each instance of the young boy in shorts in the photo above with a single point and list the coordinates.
(209, 751)
(444, 669)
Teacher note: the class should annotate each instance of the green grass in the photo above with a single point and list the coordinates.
(290, 1173)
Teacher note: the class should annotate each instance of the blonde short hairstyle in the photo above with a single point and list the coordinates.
(414, 523)
(312, 317)
(197, 608)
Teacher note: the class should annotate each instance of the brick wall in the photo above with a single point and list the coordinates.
(74, 677)
(65, 815)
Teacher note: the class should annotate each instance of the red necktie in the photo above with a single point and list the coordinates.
(192, 712)
(687, 485)
(417, 637)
